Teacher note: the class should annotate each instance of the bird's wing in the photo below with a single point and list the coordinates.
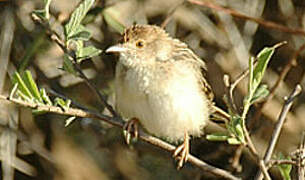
(182, 52)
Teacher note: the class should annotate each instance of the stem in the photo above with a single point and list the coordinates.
(278, 127)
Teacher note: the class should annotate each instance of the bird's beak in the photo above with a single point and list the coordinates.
(116, 49)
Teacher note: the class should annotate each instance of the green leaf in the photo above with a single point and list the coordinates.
(31, 85)
(21, 86)
(62, 103)
(235, 128)
(115, 24)
(68, 65)
(69, 121)
(87, 52)
(45, 97)
(260, 93)
(44, 13)
(81, 33)
(13, 91)
(256, 75)
(284, 169)
(251, 64)
(217, 137)
(233, 141)
(258, 72)
(76, 18)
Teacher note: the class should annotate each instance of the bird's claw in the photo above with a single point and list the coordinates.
(181, 152)
(131, 128)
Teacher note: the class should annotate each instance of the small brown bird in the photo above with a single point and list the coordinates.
(159, 82)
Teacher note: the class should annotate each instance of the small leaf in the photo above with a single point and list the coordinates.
(81, 33)
(233, 141)
(45, 97)
(21, 85)
(13, 91)
(31, 85)
(69, 121)
(59, 102)
(260, 93)
(62, 103)
(44, 13)
(251, 64)
(263, 59)
(235, 128)
(23, 96)
(68, 65)
(240, 133)
(284, 169)
(217, 137)
(87, 52)
(41, 13)
(76, 18)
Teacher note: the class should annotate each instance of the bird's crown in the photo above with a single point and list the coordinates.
(147, 32)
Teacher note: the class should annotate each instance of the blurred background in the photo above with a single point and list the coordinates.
(40, 147)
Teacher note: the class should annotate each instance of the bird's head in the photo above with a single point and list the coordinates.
(144, 44)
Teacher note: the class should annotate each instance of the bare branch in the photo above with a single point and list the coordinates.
(267, 24)
(278, 126)
(280, 161)
(301, 158)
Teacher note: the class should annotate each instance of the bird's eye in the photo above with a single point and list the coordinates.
(140, 44)
(126, 39)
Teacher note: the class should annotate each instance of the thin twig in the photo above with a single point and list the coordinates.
(229, 100)
(264, 170)
(235, 161)
(278, 126)
(301, 158)
(118, 122)
(272, 163)
(231, 86)
(267, 24)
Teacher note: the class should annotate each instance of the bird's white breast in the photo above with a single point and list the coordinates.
(167, 101)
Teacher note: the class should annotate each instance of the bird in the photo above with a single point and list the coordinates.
(160, 84)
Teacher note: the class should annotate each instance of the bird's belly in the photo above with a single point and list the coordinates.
(165, 114)
(167, 111)
(174, 115)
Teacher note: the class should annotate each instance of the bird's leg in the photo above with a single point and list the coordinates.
(131, 126)
(182, 151)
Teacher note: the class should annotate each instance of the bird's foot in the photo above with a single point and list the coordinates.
(131, 129)
(182, 151)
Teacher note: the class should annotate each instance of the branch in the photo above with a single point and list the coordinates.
(268, 24)
(118, 122)
(230, 88)
(278, 126)
(280, 161)
(301, 158)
